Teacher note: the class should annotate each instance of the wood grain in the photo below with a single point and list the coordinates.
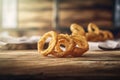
(30, 62)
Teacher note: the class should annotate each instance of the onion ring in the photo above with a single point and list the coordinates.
(81, 45)
(77, 52)
(93, 28)
(51, 45)
(90, 36)
(106, 35)
(77, 29)
(109, 34)
(67, 42)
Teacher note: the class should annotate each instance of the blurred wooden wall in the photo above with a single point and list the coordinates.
(39, 13)
(85, 11)
(35, 13)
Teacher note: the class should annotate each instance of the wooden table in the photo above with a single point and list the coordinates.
(30, 65)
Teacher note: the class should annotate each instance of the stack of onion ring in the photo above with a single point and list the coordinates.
(63, 45)
(75, 44)
(95, 34)
(78, 36)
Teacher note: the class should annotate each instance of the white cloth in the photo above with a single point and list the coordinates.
(110, 44)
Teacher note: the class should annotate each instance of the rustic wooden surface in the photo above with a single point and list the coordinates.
(30, 62)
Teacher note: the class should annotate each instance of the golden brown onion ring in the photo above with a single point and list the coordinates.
(51, 44)
(77, 52)
(93, 28)
(67, 42)
(91, 36)
(81, 45)
(109, 34)
(77, 29)
(106, 35)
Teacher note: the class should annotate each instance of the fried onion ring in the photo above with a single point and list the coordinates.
(106, 35)
(51, 45)
(77, 52)
(77, 29)
(109, 34)
(67, 42)
(93, 28)
(81, 45)
(91, 36)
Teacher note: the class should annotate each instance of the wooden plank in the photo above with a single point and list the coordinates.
(86, 14)
(61, 68)
(35, 24)
(26, 15)
(30, 62)
(35, 6)
(34, 55)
